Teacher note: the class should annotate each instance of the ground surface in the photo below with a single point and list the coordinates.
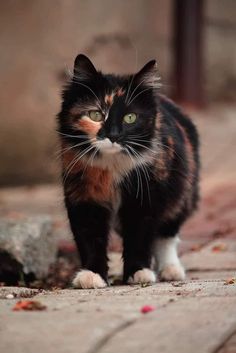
(197, 315)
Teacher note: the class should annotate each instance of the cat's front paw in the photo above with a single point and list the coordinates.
(144, 276)
(172, 273)
(87, 279)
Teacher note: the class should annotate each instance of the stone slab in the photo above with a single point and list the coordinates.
(191, 288)
(209, 259)
(229, 346)
(75, 320)
(211, 275)
(188, 325)
(92, 320)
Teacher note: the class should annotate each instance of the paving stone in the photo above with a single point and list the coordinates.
(55, 331)
(75, 320)
(211, 275)
(195, 315)
(17, 292)
(185, 326)
(84, 320)
(209, 258)
(229, 346)
(195, 288)
(120, 299)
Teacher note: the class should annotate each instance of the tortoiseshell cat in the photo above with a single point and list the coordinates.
(130, 162)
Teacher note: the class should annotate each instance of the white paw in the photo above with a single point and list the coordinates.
(143, 276)
(87, 279)
(172, 273)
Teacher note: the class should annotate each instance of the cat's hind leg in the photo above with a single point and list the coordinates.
(168, 265)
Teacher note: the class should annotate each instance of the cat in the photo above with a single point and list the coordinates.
(130, 162)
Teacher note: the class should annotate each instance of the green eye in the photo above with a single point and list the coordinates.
(130, 118)
(95, 115)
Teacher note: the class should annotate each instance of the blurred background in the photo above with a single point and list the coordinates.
(194, 44)
(40, 39)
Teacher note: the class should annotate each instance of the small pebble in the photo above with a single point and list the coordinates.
(171, 300)
(10, 296)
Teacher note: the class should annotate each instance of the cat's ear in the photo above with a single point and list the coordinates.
(149, 75)
(83, 67)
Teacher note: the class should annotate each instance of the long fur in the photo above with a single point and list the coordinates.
(142, 176)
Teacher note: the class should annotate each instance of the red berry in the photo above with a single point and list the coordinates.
(147, 308)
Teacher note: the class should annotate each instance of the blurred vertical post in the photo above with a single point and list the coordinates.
(188, 70)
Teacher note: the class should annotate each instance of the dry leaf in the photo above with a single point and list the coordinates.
(29, 305)
(219, 247)
(230, 281)
(223, 230)
(196, 247)
(178, 284)
(143, 285)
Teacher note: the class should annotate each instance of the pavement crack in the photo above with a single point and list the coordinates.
(104, 340)
(225, 341)
(100, 344)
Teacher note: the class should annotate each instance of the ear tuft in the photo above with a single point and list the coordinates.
(83, 67)
(149, 75)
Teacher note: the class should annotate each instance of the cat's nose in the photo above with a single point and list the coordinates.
(113, 133)
(113, 137)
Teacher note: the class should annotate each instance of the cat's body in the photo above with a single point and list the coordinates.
(130, 162)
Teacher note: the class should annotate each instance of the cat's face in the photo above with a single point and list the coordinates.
(107, 114)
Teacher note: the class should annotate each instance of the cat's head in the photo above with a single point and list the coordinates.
(109, 114)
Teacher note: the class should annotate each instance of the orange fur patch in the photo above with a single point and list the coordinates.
(95, 183)
(88, 126)
(68, 158)
(158, 121)
(99, 185)
(120, 92)
(189, 150)
(187, 194)
(171, 145)
(161, 167)
(109, 98)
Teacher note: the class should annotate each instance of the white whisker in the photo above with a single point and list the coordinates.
(158, 145)
(135, 89)
(90, 160)
(75, 161)
(145, 172)
(64, 150)
(129, 87)
(90, 89)
(144, 90)
(143, 146)
(139, 178)
(130, 156)
(75, 136)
